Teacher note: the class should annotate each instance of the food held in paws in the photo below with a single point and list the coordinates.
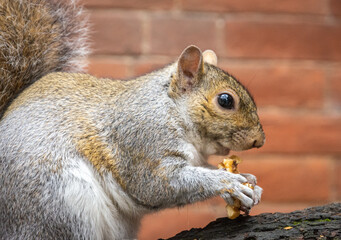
(231, 165)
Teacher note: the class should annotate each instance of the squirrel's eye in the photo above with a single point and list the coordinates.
(226, 101)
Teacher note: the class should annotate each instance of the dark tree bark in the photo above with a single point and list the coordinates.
(323, 222)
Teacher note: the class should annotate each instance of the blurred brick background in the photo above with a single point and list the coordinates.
(287, 52)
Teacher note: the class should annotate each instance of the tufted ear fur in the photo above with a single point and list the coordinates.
(190, 68)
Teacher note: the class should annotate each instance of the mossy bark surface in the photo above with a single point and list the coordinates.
(322, 222)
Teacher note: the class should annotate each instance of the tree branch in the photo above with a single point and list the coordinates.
(323, 222)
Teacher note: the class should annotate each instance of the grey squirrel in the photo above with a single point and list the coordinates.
(86, 158)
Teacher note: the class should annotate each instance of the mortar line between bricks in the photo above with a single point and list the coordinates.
(177, 5)
(273, 204)
(331, 18)
(276, 18)
(220, 36)
(270, 155)
(299, 112)
(328, 104)
(228, 16)
(118, 58)
(333, 180)
(146, 38)
(299, 63)
(218, 208)
(275, 61)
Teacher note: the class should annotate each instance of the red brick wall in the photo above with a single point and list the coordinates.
(288, 53)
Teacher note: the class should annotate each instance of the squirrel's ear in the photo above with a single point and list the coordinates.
(210, 57)
(190, 67)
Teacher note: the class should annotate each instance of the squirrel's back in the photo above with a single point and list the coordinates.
(38, 37)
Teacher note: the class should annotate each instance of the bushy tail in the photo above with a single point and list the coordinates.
(38, 37)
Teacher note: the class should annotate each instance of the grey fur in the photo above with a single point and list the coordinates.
(86, 158)
(38, 153)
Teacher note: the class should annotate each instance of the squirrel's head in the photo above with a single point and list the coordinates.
(221, 108)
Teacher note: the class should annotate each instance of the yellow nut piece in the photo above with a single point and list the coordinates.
(230, 165)
(232, 212)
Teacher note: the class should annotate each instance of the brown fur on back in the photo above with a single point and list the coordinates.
(38, 37)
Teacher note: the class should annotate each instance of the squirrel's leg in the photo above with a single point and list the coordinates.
(178, 184)
(203, 183)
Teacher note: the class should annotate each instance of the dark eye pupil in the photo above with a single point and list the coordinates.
(226, 101)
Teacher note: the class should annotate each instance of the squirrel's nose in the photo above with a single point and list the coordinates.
(259, 140)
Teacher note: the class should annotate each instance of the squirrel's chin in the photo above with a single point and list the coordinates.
(223, 151)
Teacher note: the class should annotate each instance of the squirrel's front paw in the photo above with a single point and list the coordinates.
(241, 192)
(233, 188)
(251, 179)
(257, 194)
